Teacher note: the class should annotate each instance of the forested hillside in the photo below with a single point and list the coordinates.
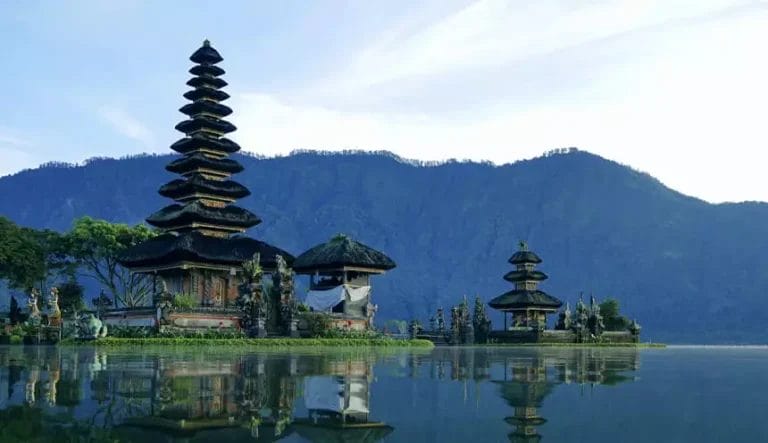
(599, 226)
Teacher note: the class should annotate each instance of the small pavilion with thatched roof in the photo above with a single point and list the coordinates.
(340, 272)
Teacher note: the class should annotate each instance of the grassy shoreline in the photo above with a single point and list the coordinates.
(326, 342)
(576, 345)
(251, 342)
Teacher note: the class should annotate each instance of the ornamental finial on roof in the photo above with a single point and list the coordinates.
(339, 237)
(523, 245)
(206, 42)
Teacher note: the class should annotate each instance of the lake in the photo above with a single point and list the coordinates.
(351, 395)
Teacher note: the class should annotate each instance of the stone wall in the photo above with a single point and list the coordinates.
(515, 336)
(619, 337)
(554, 336)
(142, 317)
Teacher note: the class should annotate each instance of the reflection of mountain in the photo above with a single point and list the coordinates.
(531, 375)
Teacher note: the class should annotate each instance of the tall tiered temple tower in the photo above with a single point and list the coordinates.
(202, 246)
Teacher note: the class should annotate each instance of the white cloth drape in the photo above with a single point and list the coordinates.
(325, 300)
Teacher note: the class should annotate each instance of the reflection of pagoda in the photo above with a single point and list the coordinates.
(246, 400)
(339, 407)
(525, 392)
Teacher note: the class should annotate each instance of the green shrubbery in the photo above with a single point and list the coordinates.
(208, 334)
(579, 345)
(255, 342)
(351, 334)
(184, 301)
(130, 331)
(318, 323)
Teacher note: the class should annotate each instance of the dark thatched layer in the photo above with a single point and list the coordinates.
(213, 82)
(209, 70)
(342, 251)
(196, 212)
(525, 394)
(189, 144)
(206, 93)
(522, 299)
(340, 434)
(199, 122)
(200, 161)
(525, 256)
(206, 106)
(206, 55)
(197, 247)
(518, 276)
(196, 183)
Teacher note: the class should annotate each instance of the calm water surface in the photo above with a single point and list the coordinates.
(441, 395)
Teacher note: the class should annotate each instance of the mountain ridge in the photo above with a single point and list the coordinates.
(600, 227)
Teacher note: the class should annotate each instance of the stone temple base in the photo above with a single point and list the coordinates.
(550, 336)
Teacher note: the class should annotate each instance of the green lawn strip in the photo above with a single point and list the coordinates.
(250, 342)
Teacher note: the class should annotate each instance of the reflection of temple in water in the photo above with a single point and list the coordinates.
(195, 396)
(529, 377)
(199, 398)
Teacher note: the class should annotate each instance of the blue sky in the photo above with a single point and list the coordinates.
(677, 88)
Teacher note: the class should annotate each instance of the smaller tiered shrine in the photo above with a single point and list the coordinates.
(527, 304)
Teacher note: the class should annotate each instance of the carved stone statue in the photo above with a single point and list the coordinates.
(455, 325)
(415, 328)
(164, 303)
(595, 321)
(581, 324)
(440, 320)
(89, 327)
(481, 322)
(283, 282)
(52, 308)
(565, 321)
(370, 313)
(250, 300)
(34, 311)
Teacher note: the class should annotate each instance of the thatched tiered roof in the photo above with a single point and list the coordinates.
(340, 252)
(172, 250)
(199, 226)
(526, 294)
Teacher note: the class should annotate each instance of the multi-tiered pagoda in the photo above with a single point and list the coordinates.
(202, 246)
(527, 303)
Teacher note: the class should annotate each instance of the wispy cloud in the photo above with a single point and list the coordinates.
(9, 139)
(14, 152)
(127, 125)
(653, 85)
(490, 33)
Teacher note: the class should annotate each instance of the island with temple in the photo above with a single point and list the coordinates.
(209, 278)
(525, 309)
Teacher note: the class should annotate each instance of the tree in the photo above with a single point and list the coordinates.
(15, 314)
(71, 297)
(21, 257)
(28, 258)
(96, 246)
(612, 319)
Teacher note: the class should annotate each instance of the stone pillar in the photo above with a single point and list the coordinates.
(469, 333)
(259, 329)
(293, 327)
